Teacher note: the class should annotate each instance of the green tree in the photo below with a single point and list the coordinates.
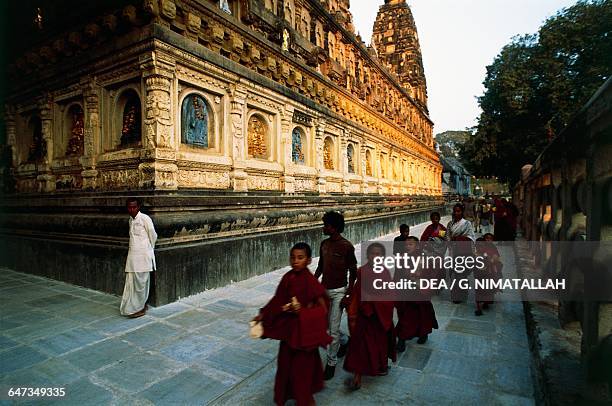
(535, 85)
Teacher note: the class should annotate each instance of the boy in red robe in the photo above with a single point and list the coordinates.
(297, 316)
(416, 317)
(493, 270)
(371, 325)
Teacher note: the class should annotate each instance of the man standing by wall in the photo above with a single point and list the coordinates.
(140, 261)
(336, 259)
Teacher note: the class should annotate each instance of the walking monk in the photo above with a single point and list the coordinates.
(370, 324)
(416, 316)
(297, 316)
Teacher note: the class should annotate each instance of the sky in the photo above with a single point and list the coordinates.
(459, 39)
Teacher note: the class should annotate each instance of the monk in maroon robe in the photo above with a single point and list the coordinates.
(435, 245)
(371, 325)
(492, 270)
(416, 316)
(297, 316)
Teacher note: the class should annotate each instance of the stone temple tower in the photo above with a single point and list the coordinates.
(396, 42)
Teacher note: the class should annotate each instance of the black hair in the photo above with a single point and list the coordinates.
(480, 239)
(485, 235)
(462, 207)
(303, 246)
(404, 227)
(435, 213)
(412, 238)
(133, 199)
(334, 219)
(376, 245)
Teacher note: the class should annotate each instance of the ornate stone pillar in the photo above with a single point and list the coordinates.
(158, 169)
(91, 134)
(346, 184)
(286, 148)
(46, 180)
(238, 176)
(362, 164)
(11, 132)
(319, 139)
(379, 174)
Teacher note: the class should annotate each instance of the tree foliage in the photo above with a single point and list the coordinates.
(536, 85)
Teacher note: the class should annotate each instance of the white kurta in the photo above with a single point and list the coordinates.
(140, 262)
(142, 241)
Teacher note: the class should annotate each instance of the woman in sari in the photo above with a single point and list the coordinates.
(461, 233)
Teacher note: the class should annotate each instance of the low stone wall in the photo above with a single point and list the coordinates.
(205, 240)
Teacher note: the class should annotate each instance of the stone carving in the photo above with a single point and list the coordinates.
(286, 38)
(260, 182)
(350, 151)
(158, 122)
(289, 12)
(305, 24)
(297, 148)
(168, 9)
(120, 179)
(257, 134)
(77, 132)
(38, 147)
(333, 187)
(93, 120)
(305, 184)
(130, 129)
(302, 118)
(203, 179)
(194, 121)
(328, 158)
(224, 5)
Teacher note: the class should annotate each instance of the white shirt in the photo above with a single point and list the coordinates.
(142, 241)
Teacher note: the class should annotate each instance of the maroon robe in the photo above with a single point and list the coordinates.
(490, 271)
(371, 324)
(432, 231)
(300, 372)
(416, 318)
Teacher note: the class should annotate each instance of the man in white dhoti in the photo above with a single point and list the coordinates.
(140, 262)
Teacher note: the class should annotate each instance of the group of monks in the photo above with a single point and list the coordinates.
(300, 316)
(304, 314)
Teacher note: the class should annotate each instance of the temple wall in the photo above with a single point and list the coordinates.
(239, 123)
(205, 240)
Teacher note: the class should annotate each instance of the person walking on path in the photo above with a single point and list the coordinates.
(297, 316)
(461, 233)
(140, 261)
(398, 242)
(371, 325)
(336, 260)
(416, 316)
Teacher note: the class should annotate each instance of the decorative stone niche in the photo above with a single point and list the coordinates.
(298, 146)
(127, 128)
(196, 121)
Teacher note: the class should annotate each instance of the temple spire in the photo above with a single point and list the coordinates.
(396, 42)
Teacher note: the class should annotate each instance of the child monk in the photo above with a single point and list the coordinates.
(297, 316)
(370, 324)
(416, 317)
(486, 248)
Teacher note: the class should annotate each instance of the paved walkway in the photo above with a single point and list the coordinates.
(196, 351)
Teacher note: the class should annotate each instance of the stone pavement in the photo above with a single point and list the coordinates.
(197, 351)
